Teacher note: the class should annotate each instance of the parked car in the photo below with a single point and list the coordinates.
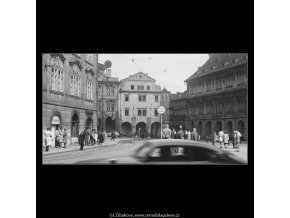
(173, 151)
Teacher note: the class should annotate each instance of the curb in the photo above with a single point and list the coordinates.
(125, 140)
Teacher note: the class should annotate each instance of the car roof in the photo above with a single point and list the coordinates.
(177, 142)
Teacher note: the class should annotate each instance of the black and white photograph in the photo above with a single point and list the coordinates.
(149, 109)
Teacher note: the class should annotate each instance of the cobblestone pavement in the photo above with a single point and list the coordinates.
(120, 147)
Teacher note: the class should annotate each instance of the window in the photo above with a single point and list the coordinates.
(132, 87)
(56, 79)
(240, 79)
(148, 87)
(241, 105)
(108, 106)
(229, 81)
(199, 88)
(230, 106)
(162, 98)
(126, 112)
(142, 98)
(155, 112)
(144, 112)
(100, 105)
(200, 109)
(126, 97)
(209, 108)
(75, 85)
(89, 90)
(218, 83)
(208, 86)
(140, 87)
(156, 98)
(139, 112)
(219, 108)
(110, 91)
(100, 90)
(191, 90)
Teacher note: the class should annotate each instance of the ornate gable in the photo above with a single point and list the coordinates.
(77, 63)
(56, 60)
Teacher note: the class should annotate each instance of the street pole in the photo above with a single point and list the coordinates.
(161, 126)
(97, 89)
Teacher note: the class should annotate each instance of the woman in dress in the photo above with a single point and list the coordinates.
(48, 137)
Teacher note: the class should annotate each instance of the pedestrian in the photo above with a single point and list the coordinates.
(64, 137)
(81, 140)
(237, 136)
(87, 135)
(48, 138)
(113, 135)
(180, 134)
(166, 133)
(189, 135)
(226, 139)
(172, 133)
(61, 137)
(95, 134)
(221, 135)
(57, 137)
(195, 134)
(185, 135)
(101, 138)
(214, 138)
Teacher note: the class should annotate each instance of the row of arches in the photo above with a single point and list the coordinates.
(141, 129)
(110, 124)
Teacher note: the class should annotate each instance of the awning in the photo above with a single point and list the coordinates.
(55, 120)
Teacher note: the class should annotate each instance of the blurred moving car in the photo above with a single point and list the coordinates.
(173, 151)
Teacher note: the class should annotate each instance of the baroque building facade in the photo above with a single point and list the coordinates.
(140, 97)
(216, 96)
(108, 102)
(69, 92)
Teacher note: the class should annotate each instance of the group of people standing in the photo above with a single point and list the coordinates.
(180, 134)
(59, 137)
(91, 138)
(225, 137)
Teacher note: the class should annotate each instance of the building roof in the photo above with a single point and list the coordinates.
(218, 62)
(145, 75)
(178, 95)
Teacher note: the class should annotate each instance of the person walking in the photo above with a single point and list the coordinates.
(101, 138)
(48, 139)
(237, 136)
(185, 135)
(57, 137)
(113, 135)
(226, 139)
(180, 133)
(189, 135)
(213, 138)
(87, 134)
(221, 135)
(81, 140)
(166, 132)
(64, 135)
(195, 134)
(61, 137)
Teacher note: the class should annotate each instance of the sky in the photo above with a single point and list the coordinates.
(169, 70)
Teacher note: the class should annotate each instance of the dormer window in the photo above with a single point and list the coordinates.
(236, 60)
(214, 67)
(227, 63)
